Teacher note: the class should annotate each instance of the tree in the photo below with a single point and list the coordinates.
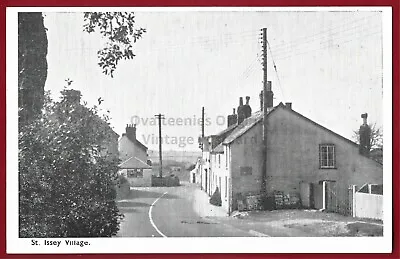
(117, 27)
(66, 183)
(32, 65)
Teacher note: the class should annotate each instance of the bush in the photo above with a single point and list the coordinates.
(122, 179)
(66, 180)
(216, 198)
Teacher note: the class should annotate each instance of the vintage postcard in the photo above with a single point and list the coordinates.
(199, 130)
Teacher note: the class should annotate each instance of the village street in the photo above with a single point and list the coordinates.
(184, 211)
(172, 215)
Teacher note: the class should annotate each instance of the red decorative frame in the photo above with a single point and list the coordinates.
(294, 3)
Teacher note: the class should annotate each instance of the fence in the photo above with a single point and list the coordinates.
(367, 204)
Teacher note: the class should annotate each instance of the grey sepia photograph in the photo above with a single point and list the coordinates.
(204, 123)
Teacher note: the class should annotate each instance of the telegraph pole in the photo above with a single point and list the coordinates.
(202, 125)
(202, 147)
(160, 117)
(265, 128)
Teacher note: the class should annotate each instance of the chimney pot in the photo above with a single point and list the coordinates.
(247, 100)
(233, 111)
(364, 116)
(240, 101)
(289, 105)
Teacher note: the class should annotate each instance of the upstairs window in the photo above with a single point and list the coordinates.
(327, 156)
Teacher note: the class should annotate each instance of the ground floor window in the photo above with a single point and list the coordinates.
(135, 173)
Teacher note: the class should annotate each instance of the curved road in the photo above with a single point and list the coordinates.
(169, 212)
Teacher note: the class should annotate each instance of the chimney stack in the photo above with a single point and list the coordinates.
(131, 131)
(269, 102)
(288, 105)
(232, 119)
(365, 136)
(247, 108)
(240, 111)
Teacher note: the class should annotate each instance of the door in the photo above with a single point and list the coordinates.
(317, 195)
(330, 194)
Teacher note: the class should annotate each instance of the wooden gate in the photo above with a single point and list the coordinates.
(331, 201)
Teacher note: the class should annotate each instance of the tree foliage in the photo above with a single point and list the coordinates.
(119, 30)
(66, 182)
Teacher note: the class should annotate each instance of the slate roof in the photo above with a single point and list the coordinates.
(227, 130)
(134, 162)
(243, 127)
(256, 117)
(136, 142)
(218, 149)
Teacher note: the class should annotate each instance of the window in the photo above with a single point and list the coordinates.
(219, 161)
(327, 157)
(135, 173)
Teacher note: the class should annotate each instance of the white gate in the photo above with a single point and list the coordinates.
(367, 204)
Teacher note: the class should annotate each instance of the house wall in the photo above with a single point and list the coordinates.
(220, 177)
(246, 151)
(145, 181)
(128, 149)
(205, 175)
(293, 156)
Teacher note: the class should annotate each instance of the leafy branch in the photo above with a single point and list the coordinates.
(119, 30)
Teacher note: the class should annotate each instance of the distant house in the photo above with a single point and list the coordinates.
(303, 160)
(129, 146)
(136, 171)
(133, 153)
(195, 173)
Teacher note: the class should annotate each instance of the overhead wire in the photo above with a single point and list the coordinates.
(280, 49)
(276, 71)
(325, 31)
(327, 46)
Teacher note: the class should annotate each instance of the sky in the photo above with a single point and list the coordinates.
(328, 64)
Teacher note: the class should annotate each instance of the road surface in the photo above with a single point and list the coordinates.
(169, 212)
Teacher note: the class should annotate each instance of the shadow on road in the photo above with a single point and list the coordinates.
(127, 204)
